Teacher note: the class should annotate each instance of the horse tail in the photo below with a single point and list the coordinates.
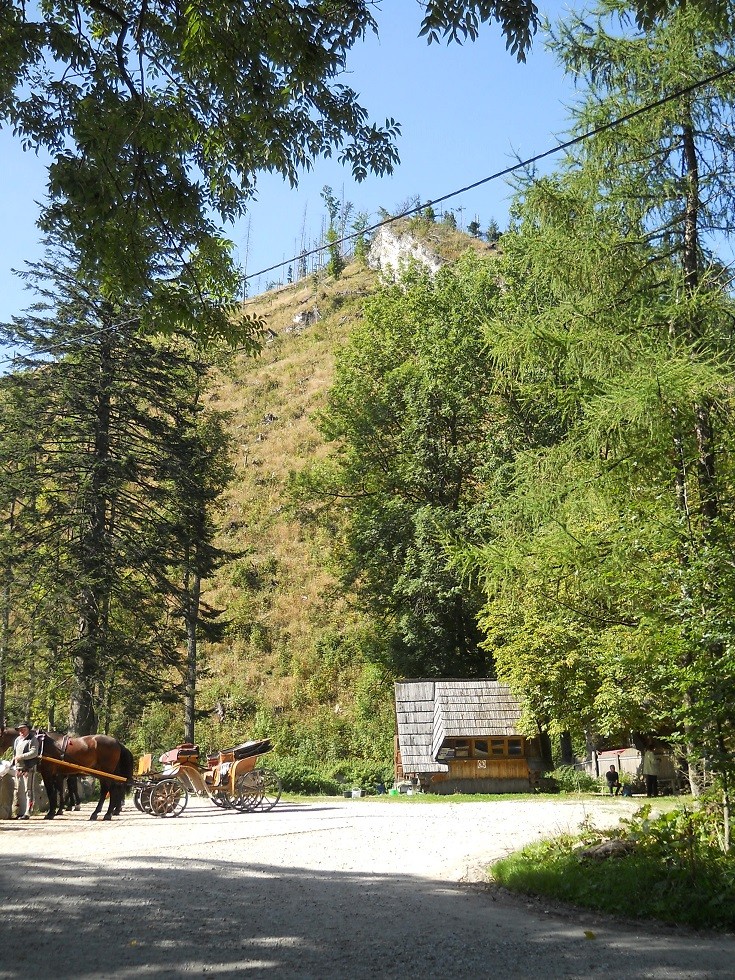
(126, 767)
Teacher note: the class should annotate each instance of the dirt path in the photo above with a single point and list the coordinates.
(325, 890)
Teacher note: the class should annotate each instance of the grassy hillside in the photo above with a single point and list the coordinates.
(290, 664)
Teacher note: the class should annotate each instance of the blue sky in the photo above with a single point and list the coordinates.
(466, 112)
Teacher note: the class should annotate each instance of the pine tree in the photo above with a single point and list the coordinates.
(99, 522)
(611, 531)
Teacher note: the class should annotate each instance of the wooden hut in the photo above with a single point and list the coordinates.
(461, 736)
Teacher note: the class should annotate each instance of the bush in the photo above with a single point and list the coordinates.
(571, 780)
(311, 778)
(298, 776)
(676, 870)
(367, 774)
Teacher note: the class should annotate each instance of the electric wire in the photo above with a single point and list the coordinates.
(520, 165)
(505, 172)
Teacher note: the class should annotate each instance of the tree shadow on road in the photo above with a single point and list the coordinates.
(175, 917)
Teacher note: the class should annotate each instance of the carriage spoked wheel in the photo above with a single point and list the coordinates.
(142, 798)
(220, 798)
(248, 791)
(271, 785)
(168, 798)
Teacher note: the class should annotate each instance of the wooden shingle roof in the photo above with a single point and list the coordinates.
(415, 726)
(465, 709)
(427, 712)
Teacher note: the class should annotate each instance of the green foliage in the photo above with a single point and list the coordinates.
(339, 214)
(299, 776)
(157, 728)
(609, 523)
(459, 20)
(169, 124)
(112, 520)
(571, 780)
(675, 871)
(492, 234)
(361, 222)
(408, 414)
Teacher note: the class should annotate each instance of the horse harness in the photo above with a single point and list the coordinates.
(62, 748)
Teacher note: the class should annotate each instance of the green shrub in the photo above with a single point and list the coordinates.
(571, 780)
(367, 774)
(298, 776)
(676, 871)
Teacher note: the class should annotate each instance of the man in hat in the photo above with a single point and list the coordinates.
(25, 760)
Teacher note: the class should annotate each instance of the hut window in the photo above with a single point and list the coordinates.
(504, 747)
(481, 748)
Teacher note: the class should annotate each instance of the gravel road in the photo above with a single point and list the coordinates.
(347, 889)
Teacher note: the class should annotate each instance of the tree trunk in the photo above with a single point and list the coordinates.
(192, 619)
(565, 746)
(5, 618)
(546, 753)
(703, 431)
(83, 714)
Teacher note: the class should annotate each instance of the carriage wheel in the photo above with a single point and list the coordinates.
(168, 798)
(220, 798)
(142, 798)
(248, 792)
(136, 798)
(272, 787)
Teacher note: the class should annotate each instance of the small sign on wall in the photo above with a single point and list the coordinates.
(481, 764)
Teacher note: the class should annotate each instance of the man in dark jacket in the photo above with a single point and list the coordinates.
(25, 760)
(613, 780)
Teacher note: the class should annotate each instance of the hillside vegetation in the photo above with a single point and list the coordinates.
(290, 664)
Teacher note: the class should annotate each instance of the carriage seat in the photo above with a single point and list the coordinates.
(186, 752)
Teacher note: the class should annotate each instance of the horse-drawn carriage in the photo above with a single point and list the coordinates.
(231, 778)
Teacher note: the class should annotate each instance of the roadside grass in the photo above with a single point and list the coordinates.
(670, 875)
(663, 803)
(433, 799)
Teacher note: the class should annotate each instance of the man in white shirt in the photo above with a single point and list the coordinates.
(25, 760)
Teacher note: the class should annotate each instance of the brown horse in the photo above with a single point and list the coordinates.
(100, 752)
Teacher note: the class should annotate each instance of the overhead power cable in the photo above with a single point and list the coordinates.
(520, 165)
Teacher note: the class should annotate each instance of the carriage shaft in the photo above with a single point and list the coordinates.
(84, 769)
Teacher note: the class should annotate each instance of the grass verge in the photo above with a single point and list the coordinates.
(670, 875)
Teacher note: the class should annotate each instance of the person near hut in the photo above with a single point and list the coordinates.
(25, 759)
(613, 781)
(650, 771)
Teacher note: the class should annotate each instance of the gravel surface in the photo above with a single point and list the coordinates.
(347, 889)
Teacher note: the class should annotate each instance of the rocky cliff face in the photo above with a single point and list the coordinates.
(390, 251)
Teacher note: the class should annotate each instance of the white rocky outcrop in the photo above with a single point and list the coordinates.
(390, 251)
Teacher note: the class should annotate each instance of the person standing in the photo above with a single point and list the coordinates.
(25, 759)
(650, 771)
